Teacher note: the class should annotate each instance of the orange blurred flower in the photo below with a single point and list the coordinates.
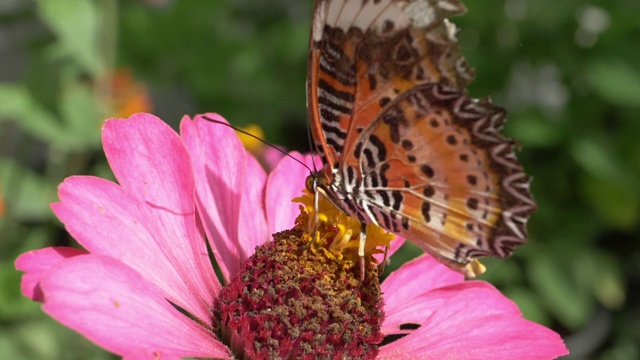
(128, 96)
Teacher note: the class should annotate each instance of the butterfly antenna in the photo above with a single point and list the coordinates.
(257, 138)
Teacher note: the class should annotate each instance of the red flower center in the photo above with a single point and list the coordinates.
(293, 300)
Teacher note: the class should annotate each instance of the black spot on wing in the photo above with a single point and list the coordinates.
(394, 119)
(451, 140)
(426, 209)
(384, 101)
(427, 170)
(472, 180)
(429, 191)
(472, 203)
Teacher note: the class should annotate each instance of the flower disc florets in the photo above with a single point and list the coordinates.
(302, 296)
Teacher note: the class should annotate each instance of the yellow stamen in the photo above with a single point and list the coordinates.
(337, 234)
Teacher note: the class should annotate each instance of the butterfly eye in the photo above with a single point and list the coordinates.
(309, 183)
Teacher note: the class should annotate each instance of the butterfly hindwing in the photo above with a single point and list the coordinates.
(436, 170)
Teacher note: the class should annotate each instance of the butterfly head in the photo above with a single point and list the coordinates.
(311, 183)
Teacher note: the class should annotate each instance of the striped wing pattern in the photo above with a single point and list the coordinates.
(403, 145)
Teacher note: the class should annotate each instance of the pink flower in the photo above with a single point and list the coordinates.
(146, 255)
(458, 319)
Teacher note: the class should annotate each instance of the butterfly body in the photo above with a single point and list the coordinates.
(402, 143)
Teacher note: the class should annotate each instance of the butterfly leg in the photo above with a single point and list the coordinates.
(384, 261)
(363, 240)
(316, 201)
(313, 187)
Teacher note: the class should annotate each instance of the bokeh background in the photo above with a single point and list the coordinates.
(567, 71)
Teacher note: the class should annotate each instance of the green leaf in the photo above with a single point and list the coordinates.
(618, 206)
(79, 110)
(602, 274)
(27, 195)
(10, 349)
(534, 131)
(529, 304)
(19, 105)
(501, 272)
(13, 305)
(76, 24)
(616, 81)
(596, 157)
(80, 129)
(622, 349)
(607, 185)
(568, 302)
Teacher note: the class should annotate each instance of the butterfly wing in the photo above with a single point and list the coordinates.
(364, 53)
(451, 182)
(381, 74)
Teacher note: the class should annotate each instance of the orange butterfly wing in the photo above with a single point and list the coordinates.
(381, 74)
(451, 183)
(364, 53)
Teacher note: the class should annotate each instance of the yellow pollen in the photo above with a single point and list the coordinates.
(337, 234)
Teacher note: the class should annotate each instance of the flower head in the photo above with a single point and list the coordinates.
(144, 285)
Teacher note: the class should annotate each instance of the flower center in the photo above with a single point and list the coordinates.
(301, 296)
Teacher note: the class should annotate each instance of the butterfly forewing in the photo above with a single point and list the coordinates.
(363, 53)
(402, 143)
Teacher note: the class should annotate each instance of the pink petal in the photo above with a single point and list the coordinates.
(473, 320)
(150, 355)
(272, 157)
(404, 289)
(219, 161)
(252, 230)
(286, 182)
(35, 264)
(107, 220)
(151, 163)
(115, 307)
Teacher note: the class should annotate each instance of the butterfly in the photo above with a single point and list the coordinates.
(403, 145)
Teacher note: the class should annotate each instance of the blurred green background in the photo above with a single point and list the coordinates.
(567, 71)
